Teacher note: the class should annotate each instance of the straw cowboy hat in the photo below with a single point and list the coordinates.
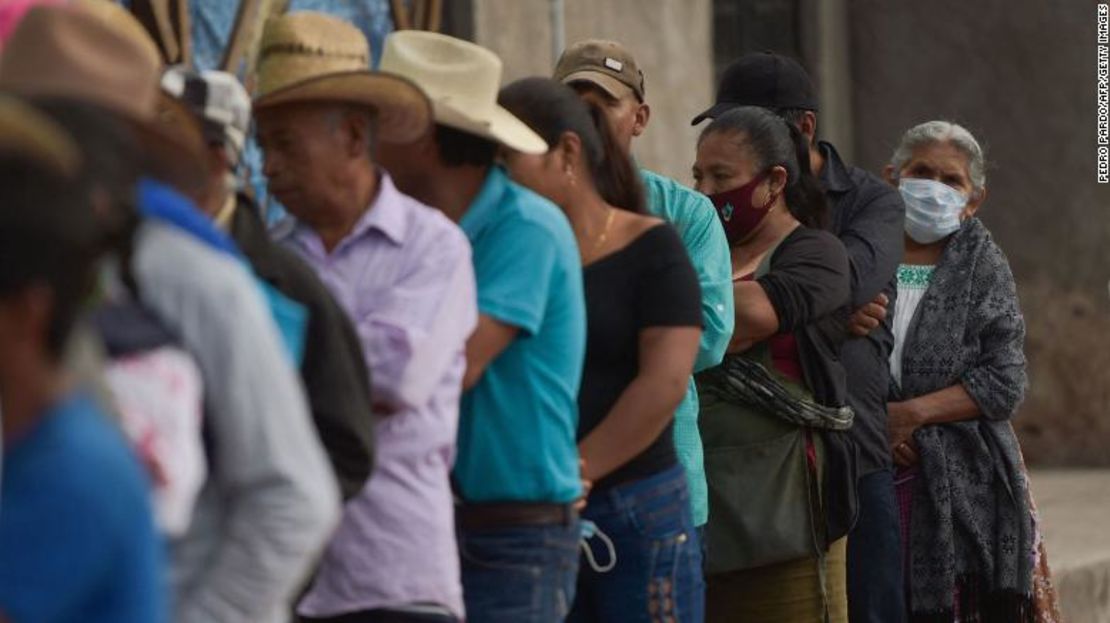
(95, 52)
(462, 80)
(28, 133)
(307, 56)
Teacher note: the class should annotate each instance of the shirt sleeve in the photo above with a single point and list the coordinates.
(280, 498)
(874, 239)
(515, 270)
(998, 381)
(808, 278)
(669, 293)
(421, 327)
(707, 247)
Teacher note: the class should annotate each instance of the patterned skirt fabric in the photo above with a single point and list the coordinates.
(1046, 607)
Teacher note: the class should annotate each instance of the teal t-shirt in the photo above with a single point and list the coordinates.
(517, 426)
(692, 214)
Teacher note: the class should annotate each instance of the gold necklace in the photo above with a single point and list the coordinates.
(604, 232)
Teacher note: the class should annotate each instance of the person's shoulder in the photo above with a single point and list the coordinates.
(677, 195)
(984, 249)
(181, 258)
(872, 187)
(812, 241)
(525, 213)
(658, 236)
(300, 282)
(431, 231)
(84, 459)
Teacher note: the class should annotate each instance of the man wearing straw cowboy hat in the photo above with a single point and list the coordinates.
(402, 271)
(517, 473)
(74, 501)
(270, 500)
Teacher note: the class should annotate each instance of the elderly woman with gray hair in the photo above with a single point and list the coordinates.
(958, 375)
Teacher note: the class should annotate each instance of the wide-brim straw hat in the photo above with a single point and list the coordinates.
(462, 80)
(95, 52)
(307, 57)
(28, 134)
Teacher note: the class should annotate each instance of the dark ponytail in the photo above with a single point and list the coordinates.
(551, 108)
(772, 141)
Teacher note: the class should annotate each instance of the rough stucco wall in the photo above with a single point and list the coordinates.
(669, 38)
(1021, 76)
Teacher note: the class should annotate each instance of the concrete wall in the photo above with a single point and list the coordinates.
(669, 38)
(1021, 76)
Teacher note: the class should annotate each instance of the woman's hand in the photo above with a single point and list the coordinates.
(903, 420)
(587, 485)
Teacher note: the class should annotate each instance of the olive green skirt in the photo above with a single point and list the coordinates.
(788, 592)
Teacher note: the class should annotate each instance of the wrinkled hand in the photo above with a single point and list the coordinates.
(901, 425)
(580, 503)
(869, 317)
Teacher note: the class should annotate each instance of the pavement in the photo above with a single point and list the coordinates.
(1074, 507)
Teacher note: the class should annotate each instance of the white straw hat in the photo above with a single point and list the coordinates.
(462, 80)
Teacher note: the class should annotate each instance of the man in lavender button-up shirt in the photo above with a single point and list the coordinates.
(403, 272)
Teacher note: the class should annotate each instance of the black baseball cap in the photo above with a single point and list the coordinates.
(763, 79)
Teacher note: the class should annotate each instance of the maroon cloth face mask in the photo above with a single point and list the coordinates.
(735, 209)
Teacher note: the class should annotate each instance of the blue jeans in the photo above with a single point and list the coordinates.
(658, 570)
(522, 574)
(875, 584)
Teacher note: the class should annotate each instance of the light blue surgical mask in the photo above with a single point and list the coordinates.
(933, 209)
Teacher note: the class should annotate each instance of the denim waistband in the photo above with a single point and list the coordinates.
(669, 482)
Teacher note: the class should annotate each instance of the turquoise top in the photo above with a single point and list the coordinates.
(693, 216)
(518, 424)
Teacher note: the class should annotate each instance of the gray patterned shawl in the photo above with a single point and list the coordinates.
(971, 527)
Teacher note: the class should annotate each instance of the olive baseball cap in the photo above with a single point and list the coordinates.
(607, 64)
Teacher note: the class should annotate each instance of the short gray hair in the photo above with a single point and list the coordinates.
(942, 132)
(337, 112)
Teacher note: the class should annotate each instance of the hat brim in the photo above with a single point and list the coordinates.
(613, 87)
(502, 127)
(714, 111)
(404, 113)
(27, 133)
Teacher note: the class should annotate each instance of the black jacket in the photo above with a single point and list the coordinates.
(334, 370)
(868, 216)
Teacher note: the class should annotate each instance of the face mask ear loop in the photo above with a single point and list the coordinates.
(590, 530)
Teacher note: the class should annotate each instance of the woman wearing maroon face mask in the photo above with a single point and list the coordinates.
(772, 415)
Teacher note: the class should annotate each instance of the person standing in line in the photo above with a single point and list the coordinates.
(270, 500)
(77, 534)
(402, 270)
(959, 375)
(336, 379)
(643, 319)
(769, 410)
(606, 74)
(867, 216)
(517, 475)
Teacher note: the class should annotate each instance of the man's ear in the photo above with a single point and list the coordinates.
(808, 126)
(973, 204)
(643, 116)
(356, 133)
(888, 175)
